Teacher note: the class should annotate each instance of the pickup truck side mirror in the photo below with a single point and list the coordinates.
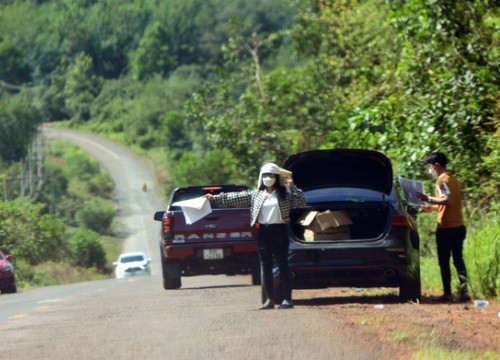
(9, 256)
(159, 215)
(115, 263)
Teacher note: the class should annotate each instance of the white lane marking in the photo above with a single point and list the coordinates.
(93, 143)
(50, 301)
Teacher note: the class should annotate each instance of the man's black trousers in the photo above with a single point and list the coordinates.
(450, 241)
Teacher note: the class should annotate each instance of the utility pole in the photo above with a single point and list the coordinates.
(21, 178)
(34, 179)
(40, 158)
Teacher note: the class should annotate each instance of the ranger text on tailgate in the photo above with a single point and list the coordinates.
(220, 243)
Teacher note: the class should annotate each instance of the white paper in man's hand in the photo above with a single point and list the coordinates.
(410, 189)
(194, 209)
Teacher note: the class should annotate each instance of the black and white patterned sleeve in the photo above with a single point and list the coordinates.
(236, 199)
(297, 198)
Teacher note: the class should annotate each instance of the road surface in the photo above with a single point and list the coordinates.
(211, 317)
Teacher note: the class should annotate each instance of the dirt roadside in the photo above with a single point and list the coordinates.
(455, 327)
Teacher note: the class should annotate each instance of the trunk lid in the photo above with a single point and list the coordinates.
(341, 168)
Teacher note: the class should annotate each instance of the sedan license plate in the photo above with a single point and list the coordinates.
(213, 254)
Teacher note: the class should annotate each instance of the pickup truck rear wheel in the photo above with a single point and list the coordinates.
(172, 283)
(410, 290)
(171, 273)
(256, 275)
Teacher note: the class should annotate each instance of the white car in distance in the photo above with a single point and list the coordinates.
(132, 264)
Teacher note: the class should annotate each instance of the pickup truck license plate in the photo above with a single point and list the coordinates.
(213, 254)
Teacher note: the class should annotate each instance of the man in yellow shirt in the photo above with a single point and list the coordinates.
(451, 231)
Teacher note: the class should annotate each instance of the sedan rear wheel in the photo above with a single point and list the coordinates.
(410, 291)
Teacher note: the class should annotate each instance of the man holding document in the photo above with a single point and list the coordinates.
(451, 232)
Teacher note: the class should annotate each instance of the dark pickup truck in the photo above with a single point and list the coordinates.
(221, 243)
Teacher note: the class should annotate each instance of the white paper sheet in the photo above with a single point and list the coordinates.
(194, 209)
(410, 189)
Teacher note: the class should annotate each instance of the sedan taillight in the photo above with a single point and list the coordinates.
(400, 220)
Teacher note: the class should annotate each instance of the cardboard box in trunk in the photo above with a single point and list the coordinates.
(327, 225)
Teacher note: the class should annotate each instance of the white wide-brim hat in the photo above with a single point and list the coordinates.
(274, 169)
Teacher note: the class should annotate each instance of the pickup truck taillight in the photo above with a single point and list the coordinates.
(401, 221)
(167, 226)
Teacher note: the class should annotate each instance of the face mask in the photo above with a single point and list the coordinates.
(433, 172)
(268, 181)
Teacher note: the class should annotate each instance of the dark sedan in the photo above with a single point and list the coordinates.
(355, 231)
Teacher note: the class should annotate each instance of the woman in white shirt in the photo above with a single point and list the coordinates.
(270, 206)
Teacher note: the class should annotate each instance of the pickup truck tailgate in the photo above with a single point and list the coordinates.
(221, 226)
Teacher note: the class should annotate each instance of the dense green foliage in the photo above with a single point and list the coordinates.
(28, 233)
(97, 215)
(222, 86)
(18, 124)
(63, 228)
(86, 250)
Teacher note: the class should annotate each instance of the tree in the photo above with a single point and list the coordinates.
(87, 250)
(28, 234)
(153, 56)
(12, 64)
(81, 88)
(96, 215)
(18, 125)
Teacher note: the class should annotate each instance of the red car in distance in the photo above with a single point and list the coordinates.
(7, 277)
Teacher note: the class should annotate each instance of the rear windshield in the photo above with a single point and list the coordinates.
(348, 195)
(187, 194)
(131, 258)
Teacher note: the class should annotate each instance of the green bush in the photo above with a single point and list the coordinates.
(482, 254)
(430, 275)
(96, 215)
(24, 271)
(30, 236)
(87, 250)
(80, 165)
(52, 273)
(101, 185)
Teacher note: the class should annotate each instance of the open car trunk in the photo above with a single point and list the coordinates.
(350, 223)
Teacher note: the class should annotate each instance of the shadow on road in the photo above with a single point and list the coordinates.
(361, 299)
(340, 300)
(213, 287)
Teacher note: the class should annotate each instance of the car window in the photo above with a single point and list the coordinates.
(132, 258)
(1, 256)
(351, 195)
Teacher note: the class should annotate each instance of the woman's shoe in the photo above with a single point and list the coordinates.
(269, 304)
(286, 304)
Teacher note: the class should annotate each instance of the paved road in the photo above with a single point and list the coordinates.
(136, 229)
(211, 317)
